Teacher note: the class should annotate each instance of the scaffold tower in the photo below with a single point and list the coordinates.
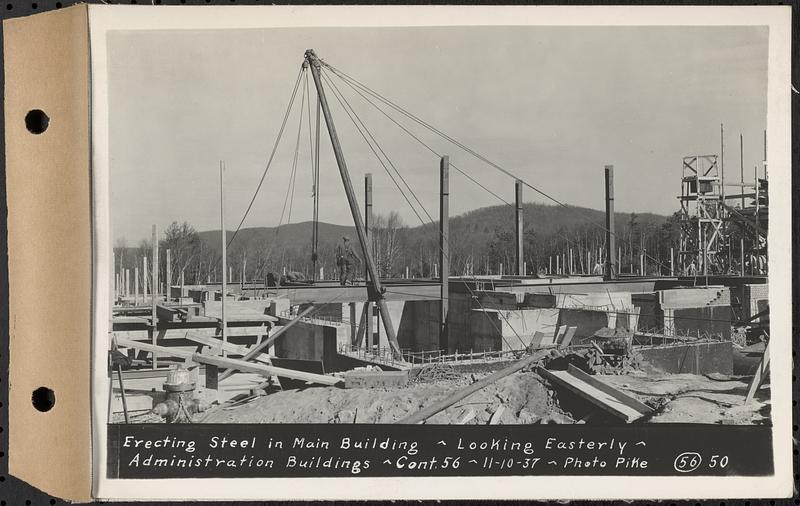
(702, 215)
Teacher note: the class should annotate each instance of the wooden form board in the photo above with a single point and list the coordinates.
(598, 393)
(219, 345)
(229, 363)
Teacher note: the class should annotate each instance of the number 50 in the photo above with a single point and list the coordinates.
(717, 461)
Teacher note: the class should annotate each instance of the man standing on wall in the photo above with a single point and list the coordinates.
(345, 259)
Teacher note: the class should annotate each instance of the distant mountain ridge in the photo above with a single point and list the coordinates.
(479, 225)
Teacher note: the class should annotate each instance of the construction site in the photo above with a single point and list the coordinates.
(681, 337)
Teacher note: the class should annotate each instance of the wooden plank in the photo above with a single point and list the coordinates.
(265, 370)
(759, 376)
(601, 395)
(217, 344)
(592, 380)
(232, 364)
(568, 337)
(152, 348)
(169, 334)
(560, 334)
(537, 339)
(495, 419)
(466, 417)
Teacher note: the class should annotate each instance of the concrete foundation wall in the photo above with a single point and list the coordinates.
(700, 358)
(307, 341)
(755, 298)
(678, 311)
(418, 324)
(713, 320)
(332, 311)
(494, 330)
(587, 322)
(459, 319)
(651, 318)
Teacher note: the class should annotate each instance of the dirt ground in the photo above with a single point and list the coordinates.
(697, 399)
(523, 396)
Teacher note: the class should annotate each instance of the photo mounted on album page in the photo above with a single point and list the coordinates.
(441, 252)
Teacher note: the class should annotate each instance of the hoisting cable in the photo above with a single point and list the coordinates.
(423, 142)
(297, 151)
(355, 82)
(342, 100)
(388, 160)
(289, 187)
(271, 156)
(570, 242)
(375, 153)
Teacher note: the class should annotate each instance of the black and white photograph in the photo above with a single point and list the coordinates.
(449, 226)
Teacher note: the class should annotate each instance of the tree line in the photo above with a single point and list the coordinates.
(480, 242)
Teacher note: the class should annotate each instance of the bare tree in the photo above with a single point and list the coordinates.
(184, 245)
(387, 242)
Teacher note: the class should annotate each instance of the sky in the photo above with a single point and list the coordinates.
(552, 105)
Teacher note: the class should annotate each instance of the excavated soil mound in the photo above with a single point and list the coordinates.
(523, 397)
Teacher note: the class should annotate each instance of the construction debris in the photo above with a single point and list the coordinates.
(598, 393)
(464, 392)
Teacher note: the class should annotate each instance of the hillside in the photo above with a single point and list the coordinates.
(479, 225)
(294, 236)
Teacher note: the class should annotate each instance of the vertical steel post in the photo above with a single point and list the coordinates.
(375, 285)
(315, 224)
(168, 281)
(154, 295)
(741, 166)
(367, 216)
(224, 239)
(741, 265)
(444, 250)
(611, 237)
(722, 160)
(144, 279)
(671, 261)
(368, 311)
(571, 267)
(519, 225)
(757, 215)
